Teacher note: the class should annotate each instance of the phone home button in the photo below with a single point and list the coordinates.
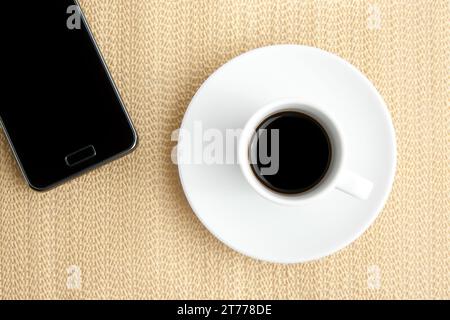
(80, 156)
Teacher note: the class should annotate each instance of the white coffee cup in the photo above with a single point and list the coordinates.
(338, 175)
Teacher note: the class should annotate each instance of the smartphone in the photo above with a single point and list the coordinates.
(60, 110)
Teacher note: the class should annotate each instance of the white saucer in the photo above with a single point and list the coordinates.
(242, 219)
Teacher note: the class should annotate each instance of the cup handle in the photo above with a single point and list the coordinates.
(355, 185)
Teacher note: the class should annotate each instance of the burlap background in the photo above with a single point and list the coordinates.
(128, 227)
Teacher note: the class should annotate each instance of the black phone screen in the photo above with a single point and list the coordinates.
(59, 108)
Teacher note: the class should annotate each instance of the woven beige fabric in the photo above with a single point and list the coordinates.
(127, 229)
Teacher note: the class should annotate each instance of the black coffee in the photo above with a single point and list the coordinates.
(304, 152)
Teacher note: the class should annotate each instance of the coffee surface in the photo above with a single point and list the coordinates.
(291, 153)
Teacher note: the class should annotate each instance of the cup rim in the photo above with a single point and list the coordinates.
(292, 104)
